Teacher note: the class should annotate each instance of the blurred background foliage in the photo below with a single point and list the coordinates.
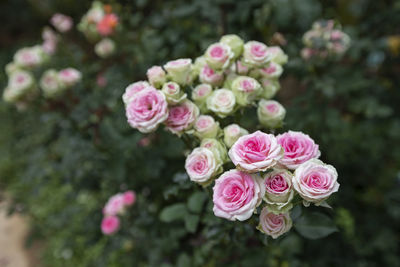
(60, 161)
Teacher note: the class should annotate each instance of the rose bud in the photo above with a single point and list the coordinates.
(269, 88)
(270, 113)
(200, 94)
(129, 198)
(246, 90)
(256, 54)
(232, 133)
(218, 148)
(218, 56)
(234, 42)
(20, 84)
(256, 152)
(181, 117)
(156, 76)
(180, 70)
(69, 77)
(315, 181)
(29, 57)
(277, 55)
(273, 71)
(206, 127)
(221, 102)
(298, 147)
(273, 224)
(236, 195)
(115, 205)
(105, 48)
(173, 93)
(278, 190)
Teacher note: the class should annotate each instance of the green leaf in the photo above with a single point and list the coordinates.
(173, 212)
(196, 201)
(315, 225)
(183, 260)
(191, 222)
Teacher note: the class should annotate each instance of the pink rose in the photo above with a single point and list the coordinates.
(156, 76)
(147, 109)
(278, 190)
(129, 198)
(236, 195)
(274, 225)
(256, 152)
(201, 165)
(208, 75)
(315, 181)
(273, 70)
(69, 76)
(107, 24)
(206, 127)
(181, 117)
(61, 22)
(298, 147)
(256, 54)
(132, 89)
(218, 56)
(110, 225)
(115, 205)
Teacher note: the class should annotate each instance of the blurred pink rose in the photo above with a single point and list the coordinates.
(110, 225)
(107, 24)
(115, 205)
(129, 198)
(61, 22)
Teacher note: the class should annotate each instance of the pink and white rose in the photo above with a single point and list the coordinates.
(277, 55)
(132, 89)
(218, 56)
(256, 54)
(315, 181)
(180, 70)
(173, 93)
(269, 88)
(29, 57)
(246, 90)
(206, 127)
(210, 76)
(61, 22)
(221, 102)
(234, 42)
(147, 109)
(105, 48)
(256, 152)
(278, 190)
(201, 165)
(69, 77)
(232, 133)
(115, 205)
(236, 195)
(298, 147)
(181, 117)
(270, 113)
(272, 71)
(273, 224)
(200, 94)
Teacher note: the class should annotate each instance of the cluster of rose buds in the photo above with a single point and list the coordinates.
(99, 23)
(22, 87)
(229, 77)
(115, 206)
(325, 39)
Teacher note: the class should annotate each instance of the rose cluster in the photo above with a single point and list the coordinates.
(98, 25)
(116, 206)
(199, 102)
(22, 87)
(324, 40)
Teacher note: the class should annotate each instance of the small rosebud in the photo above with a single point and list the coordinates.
(270, 113)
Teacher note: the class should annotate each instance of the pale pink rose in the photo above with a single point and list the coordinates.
(156, 76)
(278, 190)
(201, 165)
(61, 22)
(315, 181)
(129, 198)
(69, 76)
(180, 70)
(181, 117)
(218, 56)
(274, 225)
(241, 69)
(147, 109)
(236, 195)
(110, 225)
(132, 89)
(115, 205)
(273, 70)
(256, 152)
(208, 75)
(256, 54)
(206, 127)
(298, 147)
(107, 24)
(49, 46)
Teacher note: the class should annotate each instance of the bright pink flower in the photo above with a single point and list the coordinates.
(115, 205)
(181, 117)
(298, 147)
(107, 24)
(256, 152)
(237, 194)
(147, 109)
(110, 225)
(129, 198)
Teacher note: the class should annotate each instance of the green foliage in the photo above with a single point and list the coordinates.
(62, 160)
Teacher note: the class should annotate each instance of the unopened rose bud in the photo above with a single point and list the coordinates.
(200, 94)
(206, 127)
(50, 84)
(270, 113)
(218, 56)
(269, 88)
(180, 70)
(246, 90)
(277, 55)
(156, 76)
(173, 93)
(232, 133)
(234, 42)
